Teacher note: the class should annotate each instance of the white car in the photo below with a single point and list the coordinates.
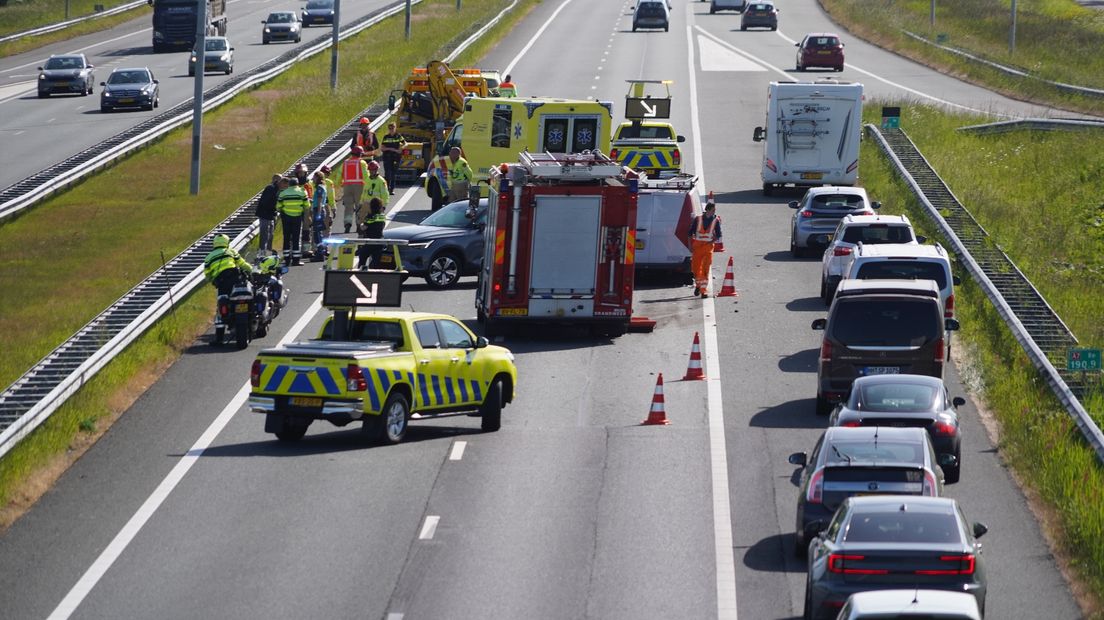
(855, 229)
(914, 603)
(906, 262)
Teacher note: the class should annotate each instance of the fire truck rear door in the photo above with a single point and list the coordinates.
(565, 255)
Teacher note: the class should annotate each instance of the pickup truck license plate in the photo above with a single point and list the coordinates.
(303, 401)
(881, 370)
(815, 176)
(241, 308)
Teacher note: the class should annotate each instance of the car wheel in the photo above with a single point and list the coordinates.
(292, 429)
(104, 109)
(830, 293)
(773, 28)
(219, 337)
(634, 27)
(768, 189)
(443, 270)
(951, 474)
(743, 28)
(712, 11)
(801, 546)
(823, 289)
(490, 411)
(392, 422)
(157, 102)
(265, 41)
(148, 107)
(795, 251)
(666, 28)
(191, 73)
(823, 407)
(807, 613)
(298, 38)
(229, 69)
(42, 95)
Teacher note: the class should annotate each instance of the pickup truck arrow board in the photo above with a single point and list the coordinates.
(369, 298)
(349, 289)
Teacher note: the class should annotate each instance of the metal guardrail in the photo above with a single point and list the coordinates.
(122, 8)
(1035, 124)
(1034, 324)
(27, 192)
(31, 399)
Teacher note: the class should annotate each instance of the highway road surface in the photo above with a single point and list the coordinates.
(187, 509)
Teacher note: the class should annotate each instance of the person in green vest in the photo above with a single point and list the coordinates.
(460, 176)
(375, 186)
(292, 203)
(507, 88)
(223, 265)
(392, 144)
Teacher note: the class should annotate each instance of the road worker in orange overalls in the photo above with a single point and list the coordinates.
(705, 235)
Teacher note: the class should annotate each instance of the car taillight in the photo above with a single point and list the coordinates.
(224, 309)
(676, 157)
(825, 351)
(948, 310)
(940, 351)
(944, 426)
(807, 214)
(929, 484)
(841, 252)
(255, 373)
(851, 423)
(966, 564)
(837, 563)
(355, 381)
(614, 153)
(815, 493)
(863, 212)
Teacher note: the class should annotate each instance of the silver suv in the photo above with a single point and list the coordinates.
(853, 230)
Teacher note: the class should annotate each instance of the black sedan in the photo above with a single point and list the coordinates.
(907, 400)
(66, 73)
(444, 246)
(129, 88)
(318, 12)
(883, 543)
(867, 460)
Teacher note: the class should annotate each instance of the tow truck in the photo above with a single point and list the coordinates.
(644, 142)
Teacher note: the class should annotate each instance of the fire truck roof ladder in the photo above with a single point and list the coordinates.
(582, 166)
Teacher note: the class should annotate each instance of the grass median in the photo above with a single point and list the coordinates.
(70, 257)
(1051, 223)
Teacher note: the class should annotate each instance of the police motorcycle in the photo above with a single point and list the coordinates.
(253, 302)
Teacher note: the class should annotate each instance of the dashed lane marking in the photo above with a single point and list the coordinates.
(457, 452)
(429, 527)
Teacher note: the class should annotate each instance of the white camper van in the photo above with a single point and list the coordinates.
(812, 134)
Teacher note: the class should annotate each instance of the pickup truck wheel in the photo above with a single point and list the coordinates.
(393, 419)
(491, 409)
(292, 429)
(443, 271)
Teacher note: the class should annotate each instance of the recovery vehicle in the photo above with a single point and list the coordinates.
(645, 142)
(174, 22)
(559, 244)
(379, 367)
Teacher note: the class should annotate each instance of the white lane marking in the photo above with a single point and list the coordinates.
(715, 57)
(12, 91)
(540, 31)
(718, 450)
(394, 616)
(407, 195)
(457, 452)
(429, 528)
(116, 547)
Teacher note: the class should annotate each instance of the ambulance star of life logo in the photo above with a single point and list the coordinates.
(584, 136)
(555, 137)
(517, 131)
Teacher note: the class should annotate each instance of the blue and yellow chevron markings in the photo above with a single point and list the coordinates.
(646, 159)
(305, 380)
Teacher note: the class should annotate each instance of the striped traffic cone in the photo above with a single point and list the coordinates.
(694, 371)
(656, 415)
(728, 288)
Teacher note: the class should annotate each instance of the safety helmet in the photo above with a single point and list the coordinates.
(325, 169)
(372, 166)
(356, 150)
(364, 120)
(221, 241)
(270, 263)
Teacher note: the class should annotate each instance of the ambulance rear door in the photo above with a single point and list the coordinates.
(562, 276)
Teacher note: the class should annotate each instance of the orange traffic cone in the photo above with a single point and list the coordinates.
(728, 288)
(694, 371)
(657, 415)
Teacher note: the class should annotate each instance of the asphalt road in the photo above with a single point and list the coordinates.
(572, 510)
(38, 133)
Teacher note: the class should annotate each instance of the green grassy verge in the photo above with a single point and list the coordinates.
(1050, 224)
(70, 257)
(1058, 40)
(29, 15)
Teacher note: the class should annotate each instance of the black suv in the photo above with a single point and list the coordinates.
(880, 327)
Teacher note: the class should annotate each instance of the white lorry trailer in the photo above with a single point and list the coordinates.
(812, 134)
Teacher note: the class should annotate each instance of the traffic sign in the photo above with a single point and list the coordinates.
(891, 117)
(1083, 359)
(647, 107)
(350, 289)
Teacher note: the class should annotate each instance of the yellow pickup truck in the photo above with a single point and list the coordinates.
(390, 365)
(650, 147)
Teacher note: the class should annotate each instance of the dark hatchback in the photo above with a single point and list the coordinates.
(760, 15)
(861, 461)
(318, 12)
(444, 246)
(69, 73)
(908, 401)
(887, 543)
(821, 49)
(129, 88)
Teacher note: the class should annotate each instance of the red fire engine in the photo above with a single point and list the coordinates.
(559, 244)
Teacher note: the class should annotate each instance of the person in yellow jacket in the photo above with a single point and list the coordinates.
(507, 88)
(292, 203)
(375, 186)
(460, 176)
(223, 265)
(331, 198)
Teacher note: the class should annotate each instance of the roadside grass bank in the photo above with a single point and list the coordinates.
(70, 257)
(29, 15)
(1048, 223)
(1058, 40)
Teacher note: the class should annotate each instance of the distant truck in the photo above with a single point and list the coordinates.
(812, 134)
(174, 23)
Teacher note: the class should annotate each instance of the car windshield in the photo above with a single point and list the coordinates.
(903, 526)
(280, 18)
(903, 270)
(320, 4)
(646, 132)
(761, 7)
(128, 77)
(455, 216)
(65, 62)
(885, 322)
(215, 45)
(837, 201)
(877, 233)
(909, 397)
(867, 450)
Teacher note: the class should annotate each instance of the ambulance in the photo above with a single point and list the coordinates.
(496, 130)
(559, 244)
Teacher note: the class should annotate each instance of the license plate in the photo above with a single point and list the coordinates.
(303, 401)
(881, 370)
(640, 244)
(126, 100)
(241, 308)
(815, 176)
(387, 258)
(513, 311)
(61, 83)
(823, 52)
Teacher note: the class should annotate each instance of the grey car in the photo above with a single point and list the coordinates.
(860, 461)
(282, 26)
(444, 246)
(819, 212)
(726, 5)
(889, 543)
(651, 14)
(219, 56)
(66, 73)
(760, 15)
(129, 88)
(318, 12)
(908, 401)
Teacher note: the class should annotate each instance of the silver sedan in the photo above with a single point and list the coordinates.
(218, 56)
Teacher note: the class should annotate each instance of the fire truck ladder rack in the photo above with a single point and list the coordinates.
(583, 166)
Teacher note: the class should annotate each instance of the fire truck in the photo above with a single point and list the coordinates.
(559, 244)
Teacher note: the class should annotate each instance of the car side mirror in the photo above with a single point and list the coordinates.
(951, 325)
(921, 239)
(680, 138)
(797, 45)
(820, 324)
(980, 529)
(264, 21)
(794, 204)
(481, 342)
(798, 458)
(91, 66)
(156, 82)
(231, 49)
(957, 280)
(958, 401)
(103, 83)
(875, 204)
(759, 134)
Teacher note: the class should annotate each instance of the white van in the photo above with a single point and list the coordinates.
(896, 261)
(812, 134)
(664, 208)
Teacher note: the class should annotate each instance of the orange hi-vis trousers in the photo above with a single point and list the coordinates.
(701, 261)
